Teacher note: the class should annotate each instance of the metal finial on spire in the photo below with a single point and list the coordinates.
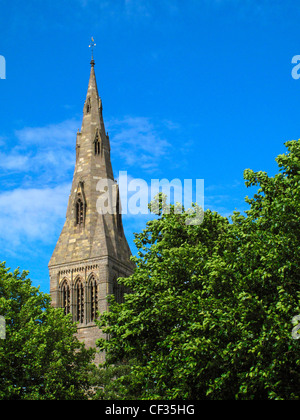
(92, 46)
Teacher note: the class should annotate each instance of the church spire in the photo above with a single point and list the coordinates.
(91, 234)
(93, 138)
(92, 251)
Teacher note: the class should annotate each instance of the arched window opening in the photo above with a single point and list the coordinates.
(88, 105)
(97, 147)
(79, 306)
(79, 212)
(66, 298)
(80, 205)
(97, 144)
(93, 289)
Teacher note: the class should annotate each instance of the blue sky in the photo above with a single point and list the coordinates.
(196, 89)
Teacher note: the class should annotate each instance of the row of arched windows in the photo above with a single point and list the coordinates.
(73, 300)
(82, 301)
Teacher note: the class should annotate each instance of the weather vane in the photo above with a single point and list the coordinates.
(92, 45)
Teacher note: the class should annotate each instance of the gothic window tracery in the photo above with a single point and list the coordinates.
(66, 304)
(79, 212)
(80, 205)
(93, 291)
(79, 301)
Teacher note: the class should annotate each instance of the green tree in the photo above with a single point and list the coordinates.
(209, 316)
(114, 382)
(40, 357)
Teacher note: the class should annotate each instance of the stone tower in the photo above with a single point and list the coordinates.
(92, 251)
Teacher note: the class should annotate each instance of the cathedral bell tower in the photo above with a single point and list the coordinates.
(92, 251)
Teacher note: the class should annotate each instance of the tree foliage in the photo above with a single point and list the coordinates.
(40, 357)
(114, 382)
(209, 316)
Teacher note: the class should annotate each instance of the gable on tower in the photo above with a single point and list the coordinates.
(80, 205)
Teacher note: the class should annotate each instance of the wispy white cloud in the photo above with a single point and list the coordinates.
(45, 153)
(42, 156)
(28, 215)
(13, 161)
(49, 151)
(38, 172)
(60, 134)
(138, 142)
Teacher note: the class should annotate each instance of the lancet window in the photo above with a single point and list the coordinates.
(88, 105)
(79, 301)
(97, 145)
(66, 304)
(80, 205)
(93, 292)
(79, 212)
